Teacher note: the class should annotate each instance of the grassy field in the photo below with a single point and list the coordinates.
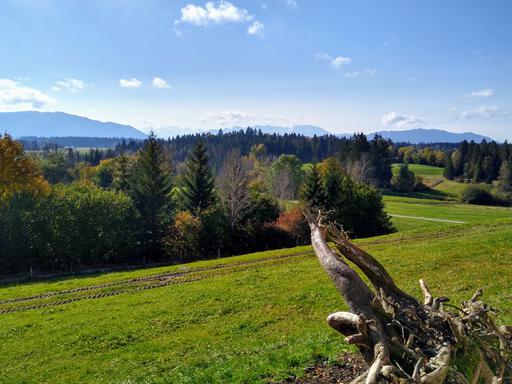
(419, 210)
(433, 178)
(256, 319)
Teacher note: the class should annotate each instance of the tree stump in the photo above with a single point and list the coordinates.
(401, 339)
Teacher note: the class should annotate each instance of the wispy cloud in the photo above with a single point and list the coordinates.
(230, 118)
(158, 82)
(220, 12)
(16, 97)
(482, 93)
(256, 28)
(365, 72)
(393, 119)
(291, 3)
(131, 83)
(70, 85)
(227, 118)
(484, 112)
(335, 62)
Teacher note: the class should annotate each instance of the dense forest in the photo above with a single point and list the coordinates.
(479, 162)
(63, 209)
(36, 143)
(202, 196)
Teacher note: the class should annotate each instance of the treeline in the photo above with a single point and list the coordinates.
(37, 143)
(374, 157)
(142, 207)
(479, 162)
(434, 155)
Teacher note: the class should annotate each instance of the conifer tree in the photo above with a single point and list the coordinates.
(448, 168)
(122, 173)
(478, 172)
(150, 187)
(198, 181)
(313, 192)
(505, 178)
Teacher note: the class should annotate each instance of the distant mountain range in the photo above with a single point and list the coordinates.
(60, 124)
(422, 135)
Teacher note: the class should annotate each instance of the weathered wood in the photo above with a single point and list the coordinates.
(403, 340)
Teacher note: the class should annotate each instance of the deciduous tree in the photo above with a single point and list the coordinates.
(18, 172)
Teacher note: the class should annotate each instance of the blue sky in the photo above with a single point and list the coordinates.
(344, 65)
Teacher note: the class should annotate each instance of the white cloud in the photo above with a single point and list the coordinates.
(485, 93)
(214, 13)
(393, 119)
(132, 83)
(227, 118)
(70, 85)
(220, 12)
(16, 97)
(335, 62)
(484, 112)
(291, 3)
(159, 83)
(340, 61)
(256, 28)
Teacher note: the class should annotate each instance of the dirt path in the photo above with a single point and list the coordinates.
(428, 219)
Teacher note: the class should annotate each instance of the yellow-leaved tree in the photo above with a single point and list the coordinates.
(18, 171)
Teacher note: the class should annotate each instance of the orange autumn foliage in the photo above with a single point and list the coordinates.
(19, 172)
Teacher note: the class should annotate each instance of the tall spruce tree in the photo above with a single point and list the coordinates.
(505, 178)
(198, 181)
(313, 192)
(122, 173)
(448, 171)
(150, 187)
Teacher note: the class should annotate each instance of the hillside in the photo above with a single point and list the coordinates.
(59, 124)
(253, 318)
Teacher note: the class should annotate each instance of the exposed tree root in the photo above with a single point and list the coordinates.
(405, 341)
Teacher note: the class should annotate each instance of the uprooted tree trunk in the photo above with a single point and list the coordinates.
(401, 339)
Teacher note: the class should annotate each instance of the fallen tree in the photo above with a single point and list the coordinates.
(402, 339)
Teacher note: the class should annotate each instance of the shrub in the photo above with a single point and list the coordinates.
(478, 194)
(182, 240)
(294, 223)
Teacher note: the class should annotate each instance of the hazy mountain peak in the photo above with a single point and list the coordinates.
(429, 135)
(60, 124)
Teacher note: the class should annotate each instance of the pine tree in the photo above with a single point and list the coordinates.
(404, 180)
(313, 192)
(198, 181)
(122, 173)
(448, 167)
(150, 186)
(478, 172)
(333, 180)
(505, 178)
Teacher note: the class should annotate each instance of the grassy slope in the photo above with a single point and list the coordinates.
(253, 325)
(439, 210)
(431, 175)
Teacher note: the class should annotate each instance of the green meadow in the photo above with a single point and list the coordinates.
(257, 319)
